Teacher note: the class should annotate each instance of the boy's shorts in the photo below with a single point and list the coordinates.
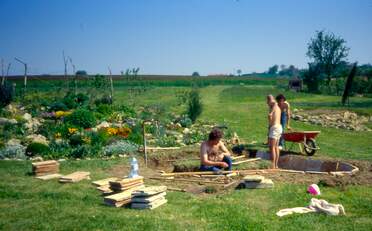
(275, 131)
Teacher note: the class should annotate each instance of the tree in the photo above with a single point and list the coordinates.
(289, 71)
(327, 51)
(81, 73)
(273, 70)
(195, 74)
(349, 83)
(239, 72)
(194, 106)
(312, 78)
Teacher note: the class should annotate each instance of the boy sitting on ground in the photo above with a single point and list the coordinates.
(214, 156)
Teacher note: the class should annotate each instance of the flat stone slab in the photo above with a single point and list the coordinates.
(253, 178)
(265, 183)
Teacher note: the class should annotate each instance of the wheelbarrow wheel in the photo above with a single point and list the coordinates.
(310, 147)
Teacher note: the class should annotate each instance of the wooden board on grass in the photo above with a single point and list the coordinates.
(49, 176)
(152, 205)
(104, 181)
(149, 191)
(74, 177)
(149, 199)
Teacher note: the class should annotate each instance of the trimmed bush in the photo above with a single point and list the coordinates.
(76, 140)
(58, 106)
(36, 149)
(82, 118)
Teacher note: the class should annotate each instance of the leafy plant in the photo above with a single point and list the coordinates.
(120, 147)
(81, 118)
(16, 151)
(195, 106)
(80, 151)
(36, 149)
(58, 106)
(185, 122)
(76, 140)
(6, 94)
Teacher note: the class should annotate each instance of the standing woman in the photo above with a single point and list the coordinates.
(285, 115)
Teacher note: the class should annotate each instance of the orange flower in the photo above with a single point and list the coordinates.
(112, 131)
(124, 132)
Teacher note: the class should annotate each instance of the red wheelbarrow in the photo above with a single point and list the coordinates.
(306, 138)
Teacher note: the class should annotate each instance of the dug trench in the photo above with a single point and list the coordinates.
(186, 160)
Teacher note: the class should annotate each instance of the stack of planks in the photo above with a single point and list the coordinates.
(103, 185)
(149, 197)
(75, 177)
(125, 184)
(45, 167)
(121, 199)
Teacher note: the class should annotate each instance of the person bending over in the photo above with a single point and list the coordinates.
(214, 156)
(275, 131)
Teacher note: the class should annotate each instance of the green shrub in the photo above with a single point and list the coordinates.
(186, 122)
(58, 106)
(73, 101)
(37, 149)
(120, 147)
(80, 151)
(82, 118)
(104, 109)
(76, 140)
(6, 94)
(103, 100)
(127, 110)
(194, 107)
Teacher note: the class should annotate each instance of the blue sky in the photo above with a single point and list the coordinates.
(176, 36)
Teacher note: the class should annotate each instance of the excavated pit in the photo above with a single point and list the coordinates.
(307, 164)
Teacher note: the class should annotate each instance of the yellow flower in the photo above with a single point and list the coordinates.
(86, 140)
(57, 135)
(60, 114)
(124, 132)
(112, 131)
(72, 130)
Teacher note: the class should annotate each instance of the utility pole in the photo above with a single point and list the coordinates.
(65, 62)
(111, 85)
(25, 75)
(75, 78)
(2, 72)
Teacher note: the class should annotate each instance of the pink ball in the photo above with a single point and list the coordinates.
(313, 190)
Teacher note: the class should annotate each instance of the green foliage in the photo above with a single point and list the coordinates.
(105, 109)
(105, 99)
(273, 70)
(81, 73)
(73, 101)
(195, 106)
(37, 149)
(195, 74)
(136, 135)
(81, 118)
(312, 78)
(58, 106)
(16, 151)
(327, 51)
(76, 140)
(81, 151)
(185, 122)
(6, 94)
(120, 147)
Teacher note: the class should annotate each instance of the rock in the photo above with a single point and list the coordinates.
(186, 131)
(297, 117)
(13, 141)
(37, 138)
(61, 160)
(27, 116)
(37, 158)
(103, 124)
(7, 121)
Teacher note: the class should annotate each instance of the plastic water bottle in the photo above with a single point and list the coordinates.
(133, 168)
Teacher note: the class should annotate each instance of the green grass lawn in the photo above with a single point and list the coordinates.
(29, 204)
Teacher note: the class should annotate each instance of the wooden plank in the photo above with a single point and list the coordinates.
(153, 205)
(49, 177)
(74, 177)
(48, 162)
(104, 181)
(237, 157)
(188, 180)
(127, 180)
(149, 191)
(149, 199)
(245, 161)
